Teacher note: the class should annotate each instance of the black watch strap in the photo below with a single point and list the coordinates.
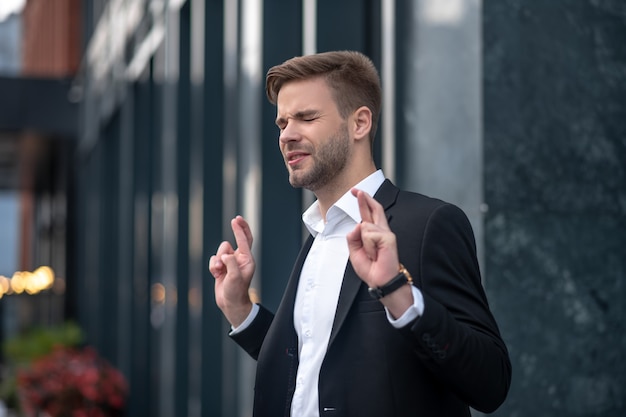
(396, 282)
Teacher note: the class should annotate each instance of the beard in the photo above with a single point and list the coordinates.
(329, 159)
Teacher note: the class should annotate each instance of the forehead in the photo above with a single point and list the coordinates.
(299, 95)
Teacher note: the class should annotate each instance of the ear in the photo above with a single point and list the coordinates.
(362, 122)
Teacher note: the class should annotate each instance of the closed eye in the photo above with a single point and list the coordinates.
(306, 116)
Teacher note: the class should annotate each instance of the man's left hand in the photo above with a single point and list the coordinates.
(374, 252)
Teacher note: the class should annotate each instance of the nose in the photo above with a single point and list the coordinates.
(288, 134)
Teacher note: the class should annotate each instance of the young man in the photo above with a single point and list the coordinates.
(384, 314)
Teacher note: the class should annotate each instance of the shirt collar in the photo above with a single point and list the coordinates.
(347, 204)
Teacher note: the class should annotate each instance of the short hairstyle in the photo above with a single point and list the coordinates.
(351, 76)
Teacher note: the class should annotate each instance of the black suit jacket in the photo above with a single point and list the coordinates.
(448, 359)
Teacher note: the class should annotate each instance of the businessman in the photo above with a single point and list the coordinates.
(384, 314)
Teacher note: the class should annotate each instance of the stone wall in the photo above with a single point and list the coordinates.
(555, 183)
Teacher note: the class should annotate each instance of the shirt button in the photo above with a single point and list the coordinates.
(307, 333)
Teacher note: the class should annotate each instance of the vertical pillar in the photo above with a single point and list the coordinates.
(441, 106)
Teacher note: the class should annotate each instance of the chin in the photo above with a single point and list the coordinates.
(298, 183)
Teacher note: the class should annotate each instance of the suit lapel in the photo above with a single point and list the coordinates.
(386, 196)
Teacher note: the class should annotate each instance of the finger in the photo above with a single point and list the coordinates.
(374, 209)
(216, 267)
(360, 260)
(246, 228)
(370, 246)
(359, 239)
(231, 264)
(364, 208)
(354, 239)
(243, 234)
(213, 264)
(224, 248)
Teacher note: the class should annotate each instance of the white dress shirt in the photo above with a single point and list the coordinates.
(318, 291)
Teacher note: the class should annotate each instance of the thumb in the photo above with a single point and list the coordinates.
(231, 263)
(354, 238)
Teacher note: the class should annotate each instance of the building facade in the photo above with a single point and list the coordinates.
(513, 110)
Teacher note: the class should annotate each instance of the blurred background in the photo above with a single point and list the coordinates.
(131, 131)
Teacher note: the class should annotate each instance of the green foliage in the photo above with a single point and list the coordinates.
(24, 348)
(19, 351)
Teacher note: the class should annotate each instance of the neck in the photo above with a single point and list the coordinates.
(329, 194)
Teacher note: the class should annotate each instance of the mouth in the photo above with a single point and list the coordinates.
(294, 158)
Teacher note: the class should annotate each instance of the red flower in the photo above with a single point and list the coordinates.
(72, 383)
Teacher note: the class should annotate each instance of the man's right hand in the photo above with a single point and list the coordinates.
(233, 271)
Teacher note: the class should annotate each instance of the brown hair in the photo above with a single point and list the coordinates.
(351, 76)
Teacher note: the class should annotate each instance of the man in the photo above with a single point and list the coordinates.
(384, 313)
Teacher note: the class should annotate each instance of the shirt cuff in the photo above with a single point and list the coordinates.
(416, 310)
(243, 326)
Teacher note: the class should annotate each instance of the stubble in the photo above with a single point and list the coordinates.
(329, 160)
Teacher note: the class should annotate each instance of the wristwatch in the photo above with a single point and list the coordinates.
(403, 277)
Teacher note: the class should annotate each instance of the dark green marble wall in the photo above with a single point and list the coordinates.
(555, 184)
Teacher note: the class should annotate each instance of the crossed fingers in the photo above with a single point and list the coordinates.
(370, 209)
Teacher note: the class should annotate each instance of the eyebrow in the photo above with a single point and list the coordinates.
(301, 115)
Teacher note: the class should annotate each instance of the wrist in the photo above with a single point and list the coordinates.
(237, 314)
(398, 302)
(401, 279)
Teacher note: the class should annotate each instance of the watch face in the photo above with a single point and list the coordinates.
(376, 293)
